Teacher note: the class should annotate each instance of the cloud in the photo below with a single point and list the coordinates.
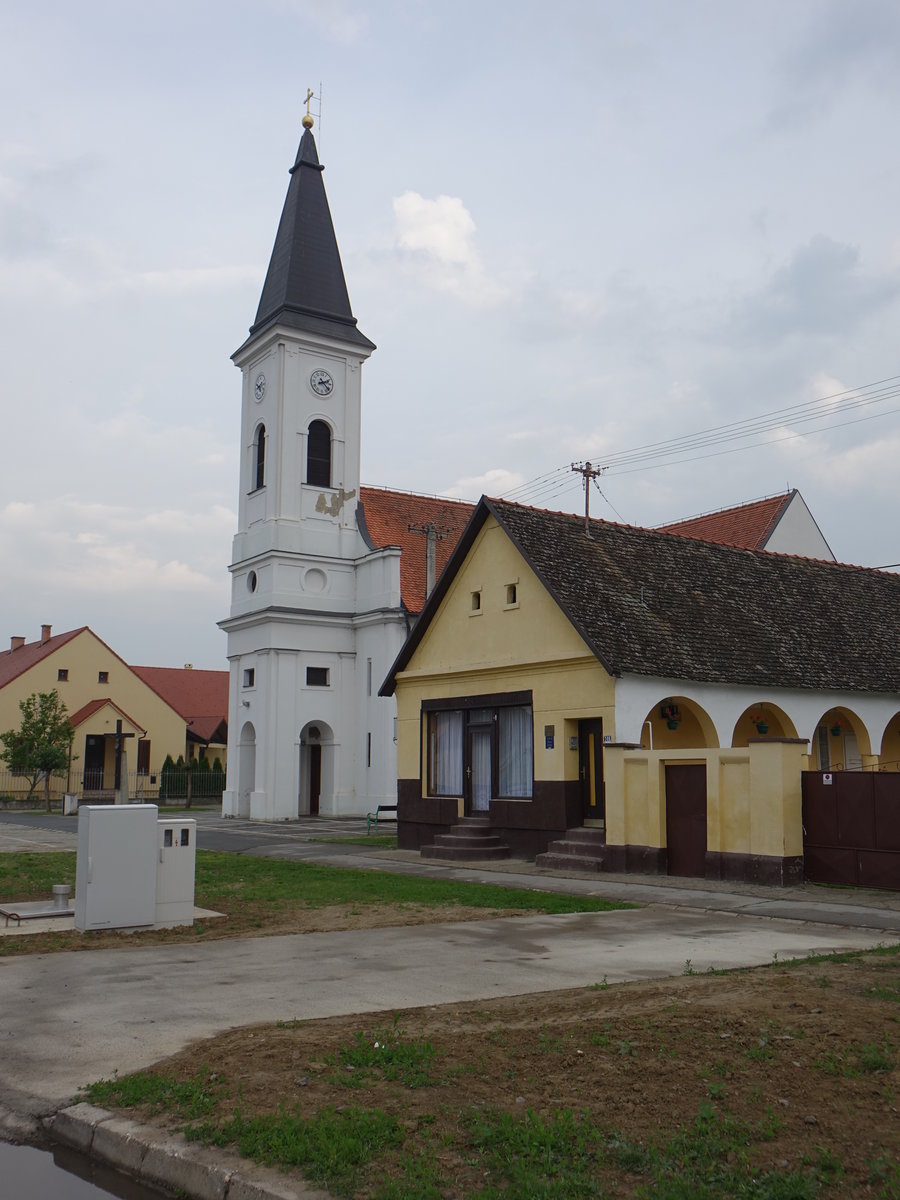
(493, 482)
(98, 549)
(822, 290)
(435, 239)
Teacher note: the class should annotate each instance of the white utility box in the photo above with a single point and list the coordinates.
(115, 871)
(177, 844)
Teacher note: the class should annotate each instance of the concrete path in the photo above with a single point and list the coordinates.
(67, 1019)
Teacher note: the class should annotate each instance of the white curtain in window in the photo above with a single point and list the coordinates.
(516, 753)
(446, 753)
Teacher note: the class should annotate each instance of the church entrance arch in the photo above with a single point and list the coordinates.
(247, 771)
(316, 767)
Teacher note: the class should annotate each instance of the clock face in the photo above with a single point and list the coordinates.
(259, 387)
(321, 383)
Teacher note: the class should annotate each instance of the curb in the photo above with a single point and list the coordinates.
(165, 1159)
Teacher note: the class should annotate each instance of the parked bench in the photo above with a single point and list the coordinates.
(382, 813)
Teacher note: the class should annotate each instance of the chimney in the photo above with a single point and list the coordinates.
(45, 634)
(16, 643)
(189, 666)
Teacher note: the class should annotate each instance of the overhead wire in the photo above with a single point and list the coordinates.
(678, 450)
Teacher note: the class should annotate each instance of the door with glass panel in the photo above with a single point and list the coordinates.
(478, 762)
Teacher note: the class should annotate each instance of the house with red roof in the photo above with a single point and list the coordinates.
(147, 712)
(780, 523)
(616, 698)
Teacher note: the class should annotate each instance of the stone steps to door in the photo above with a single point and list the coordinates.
(472, 839)
(582, 849)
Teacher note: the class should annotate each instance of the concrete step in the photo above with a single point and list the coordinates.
(586, 833)
(576, 849)
(463, 840)
(465, 853)
(568, 862)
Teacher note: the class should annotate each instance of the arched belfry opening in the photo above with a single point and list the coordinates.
(318, 454)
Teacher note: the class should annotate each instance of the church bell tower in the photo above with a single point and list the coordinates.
(295, 721)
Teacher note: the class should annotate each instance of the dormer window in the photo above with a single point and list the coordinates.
(259, 457)
(318, 455)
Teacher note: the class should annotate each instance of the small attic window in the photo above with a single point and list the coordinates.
(512, 595)
(62, 675)
(103, 676)
(476, 601)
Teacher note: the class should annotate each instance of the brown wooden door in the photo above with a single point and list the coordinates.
(315, 779)
(686, 819)
(590, 770)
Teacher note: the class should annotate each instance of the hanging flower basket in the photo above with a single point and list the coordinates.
(762, 727)
(836, 729)
(672, 723)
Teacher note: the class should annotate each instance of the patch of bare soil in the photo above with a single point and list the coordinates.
(259, 920)
(810, 1052)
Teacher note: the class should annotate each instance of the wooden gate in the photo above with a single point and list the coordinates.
(686, 819)
(851, 828)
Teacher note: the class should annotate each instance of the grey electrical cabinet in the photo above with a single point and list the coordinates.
(115, 871)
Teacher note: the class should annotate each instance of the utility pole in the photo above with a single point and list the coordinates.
(432, 534)
(587, 472)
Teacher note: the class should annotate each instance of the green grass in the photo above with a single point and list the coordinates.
(564, 1156)
(229, 877)
(235, 878)
(189, 1100)
(856, 1059)
(32, 876)
(329, 1148)
(383, 1055)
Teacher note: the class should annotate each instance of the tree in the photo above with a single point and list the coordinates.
(42, 743)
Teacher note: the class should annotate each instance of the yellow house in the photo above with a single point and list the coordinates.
(625, 699)
(105, 699)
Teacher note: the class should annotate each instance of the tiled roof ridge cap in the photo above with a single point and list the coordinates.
(657, 532)
(727, 508)
(382, 487)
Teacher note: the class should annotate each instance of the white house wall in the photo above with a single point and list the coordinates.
(637, 695)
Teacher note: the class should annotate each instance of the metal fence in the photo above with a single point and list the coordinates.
(168, 785)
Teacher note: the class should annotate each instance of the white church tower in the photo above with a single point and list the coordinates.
(316, 616)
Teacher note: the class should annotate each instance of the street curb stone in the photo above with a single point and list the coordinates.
(16, 1128)
(148, 1154)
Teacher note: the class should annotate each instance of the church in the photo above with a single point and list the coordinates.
(326, 577)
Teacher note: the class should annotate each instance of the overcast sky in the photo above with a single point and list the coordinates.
(571, 229)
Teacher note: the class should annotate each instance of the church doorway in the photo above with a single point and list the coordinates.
(316, 782)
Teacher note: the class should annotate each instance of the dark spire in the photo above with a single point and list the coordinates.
(304, 285)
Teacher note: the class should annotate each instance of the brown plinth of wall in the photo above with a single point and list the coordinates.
(547, 830)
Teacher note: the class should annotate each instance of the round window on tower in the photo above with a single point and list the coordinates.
(251, 582)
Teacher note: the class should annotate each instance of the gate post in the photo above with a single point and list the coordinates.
(776, 803)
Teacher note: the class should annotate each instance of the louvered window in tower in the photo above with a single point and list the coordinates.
(260, 457)
(318, 455)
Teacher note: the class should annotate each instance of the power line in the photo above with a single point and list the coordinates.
(678, 450)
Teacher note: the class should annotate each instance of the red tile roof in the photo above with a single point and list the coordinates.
(14, 663)
(747, 526)
(201, 697)
(387, 516)
(93, 706)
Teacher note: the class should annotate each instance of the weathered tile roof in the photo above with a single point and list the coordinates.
(14, 663)
(201, 697)
(648, 603)
(653, 604)
(386, 516)
(746, 525)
